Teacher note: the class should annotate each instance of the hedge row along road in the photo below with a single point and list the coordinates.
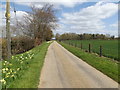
(62, 69)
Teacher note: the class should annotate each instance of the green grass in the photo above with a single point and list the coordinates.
(109, 47)
(29, 73)
(103, 64)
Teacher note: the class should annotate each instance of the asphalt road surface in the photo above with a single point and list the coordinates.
(62, 69)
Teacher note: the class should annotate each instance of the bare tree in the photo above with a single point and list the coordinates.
(37, 23)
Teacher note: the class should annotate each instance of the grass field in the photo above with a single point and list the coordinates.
(23, 70)
(109, 47)
(103, 64)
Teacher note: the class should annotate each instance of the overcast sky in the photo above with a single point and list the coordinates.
(77, 16)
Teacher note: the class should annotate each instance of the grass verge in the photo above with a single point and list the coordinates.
(103, 64)
(29, 70)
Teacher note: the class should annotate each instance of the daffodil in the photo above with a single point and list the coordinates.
(21, 62)
(30, 58)
(12, 57)
(3, 81)
(6, 76)
(26, 57)
(3, 70)
(6, 69)
(8, 73)
(10, 64)
(5, 61)
(18, 69)
(10, 70)
(12, 75)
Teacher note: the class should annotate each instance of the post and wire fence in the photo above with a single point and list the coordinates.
(86, 50)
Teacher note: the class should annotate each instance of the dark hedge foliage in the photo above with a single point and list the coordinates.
(18, 45)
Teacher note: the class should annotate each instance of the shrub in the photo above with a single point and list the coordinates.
(4, 50)
(18, 45)
(21, 44)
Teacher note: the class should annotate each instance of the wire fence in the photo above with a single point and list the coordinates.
(105, 50)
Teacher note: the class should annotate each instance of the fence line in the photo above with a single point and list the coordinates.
(89, 47)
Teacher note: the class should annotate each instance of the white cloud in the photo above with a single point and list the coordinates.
(2, 6)
(90, 19)
(0, 22)
(66, 3)
(61, 0)
(19, 16)
(115, 25)
(13, 20)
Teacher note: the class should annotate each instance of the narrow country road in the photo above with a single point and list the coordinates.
(64, 70)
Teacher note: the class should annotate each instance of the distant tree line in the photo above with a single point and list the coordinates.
(85, 36)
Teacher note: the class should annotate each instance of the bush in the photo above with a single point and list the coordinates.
(21, 44)
(4, 50)
(18, 45)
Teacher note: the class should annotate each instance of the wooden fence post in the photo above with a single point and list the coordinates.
(81, 46)
(89, 48)
(100, 50)
(75, 44)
